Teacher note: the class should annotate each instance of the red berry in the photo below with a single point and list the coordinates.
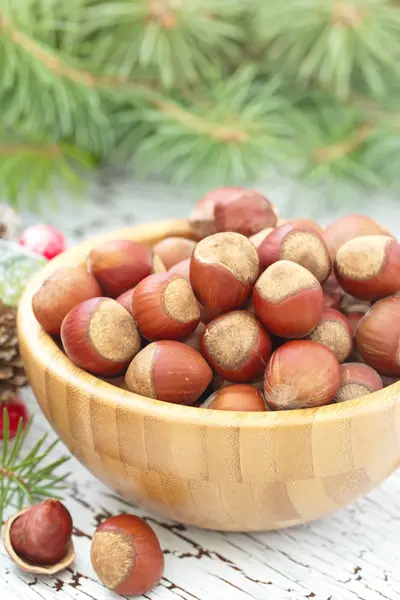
(16, 410)
(44, 239)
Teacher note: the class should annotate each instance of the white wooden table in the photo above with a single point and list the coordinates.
(353, 555)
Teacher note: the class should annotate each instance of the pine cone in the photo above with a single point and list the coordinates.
(12, 375)
(8, 222)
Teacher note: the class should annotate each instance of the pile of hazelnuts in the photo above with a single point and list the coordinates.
(257, 314)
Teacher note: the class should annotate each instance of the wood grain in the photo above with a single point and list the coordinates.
(212, 469)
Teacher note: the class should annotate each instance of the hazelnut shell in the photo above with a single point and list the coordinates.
(27, 566)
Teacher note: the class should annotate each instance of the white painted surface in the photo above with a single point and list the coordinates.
(353, 555)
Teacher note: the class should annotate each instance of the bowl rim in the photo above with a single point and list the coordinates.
(50, 356)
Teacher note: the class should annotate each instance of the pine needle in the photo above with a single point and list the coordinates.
(23, 480)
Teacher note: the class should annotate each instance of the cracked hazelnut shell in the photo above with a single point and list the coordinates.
(38, 538)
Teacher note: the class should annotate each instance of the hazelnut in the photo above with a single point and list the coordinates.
(119, 265)
(299, 245)
(236, 346)
(165, 307)
(64, 289)
(223, 270)
(354, 317)
(333, 292)
(173, 250)
(202, 220)
(259, 237)
(288, 299)
(125, 300)
(350, 303)
(368, 267)
(357, 380)
(378, 336)
(347, 228)
(304, 223)
(182, 268)
(100, 336)
(244, 211)
(301, 374)
(386, 381)
(333, 331)
(126, 555)
(237, 397)
(169, 371)
(38, 539)
(194, 338)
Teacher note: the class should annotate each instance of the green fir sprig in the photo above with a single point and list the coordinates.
(27, 479)
(210, 90)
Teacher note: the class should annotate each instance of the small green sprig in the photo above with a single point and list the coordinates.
(27, 480)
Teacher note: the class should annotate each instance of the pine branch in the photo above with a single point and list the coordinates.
(336, 43)
(176, 41)
(236, 127)
(166, 86)
(40, 86)
(23, 480)
(29, 168)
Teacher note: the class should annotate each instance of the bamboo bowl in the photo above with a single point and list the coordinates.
(214, 469)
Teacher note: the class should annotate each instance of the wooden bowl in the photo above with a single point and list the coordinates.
(213, 469)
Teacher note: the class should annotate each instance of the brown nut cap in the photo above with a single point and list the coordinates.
(126, 555)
